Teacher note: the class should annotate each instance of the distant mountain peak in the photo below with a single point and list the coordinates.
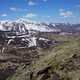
(26, 24)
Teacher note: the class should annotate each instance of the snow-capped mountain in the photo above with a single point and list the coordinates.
(22, 25)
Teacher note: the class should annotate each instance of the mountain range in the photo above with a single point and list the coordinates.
(22, 26)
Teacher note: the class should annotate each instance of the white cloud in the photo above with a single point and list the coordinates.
(30, 15)
(78, 5)
(17, 9)
(31, 3)
(45, 0)
(61, 10)
(46, 16)
(4, 15)
(65, 14)
(13, 9)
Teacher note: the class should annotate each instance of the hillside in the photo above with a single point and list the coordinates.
(59, 62)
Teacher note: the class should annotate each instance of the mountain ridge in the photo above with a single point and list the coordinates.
(22, 25)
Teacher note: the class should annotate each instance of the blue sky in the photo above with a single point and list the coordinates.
(41, 10)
